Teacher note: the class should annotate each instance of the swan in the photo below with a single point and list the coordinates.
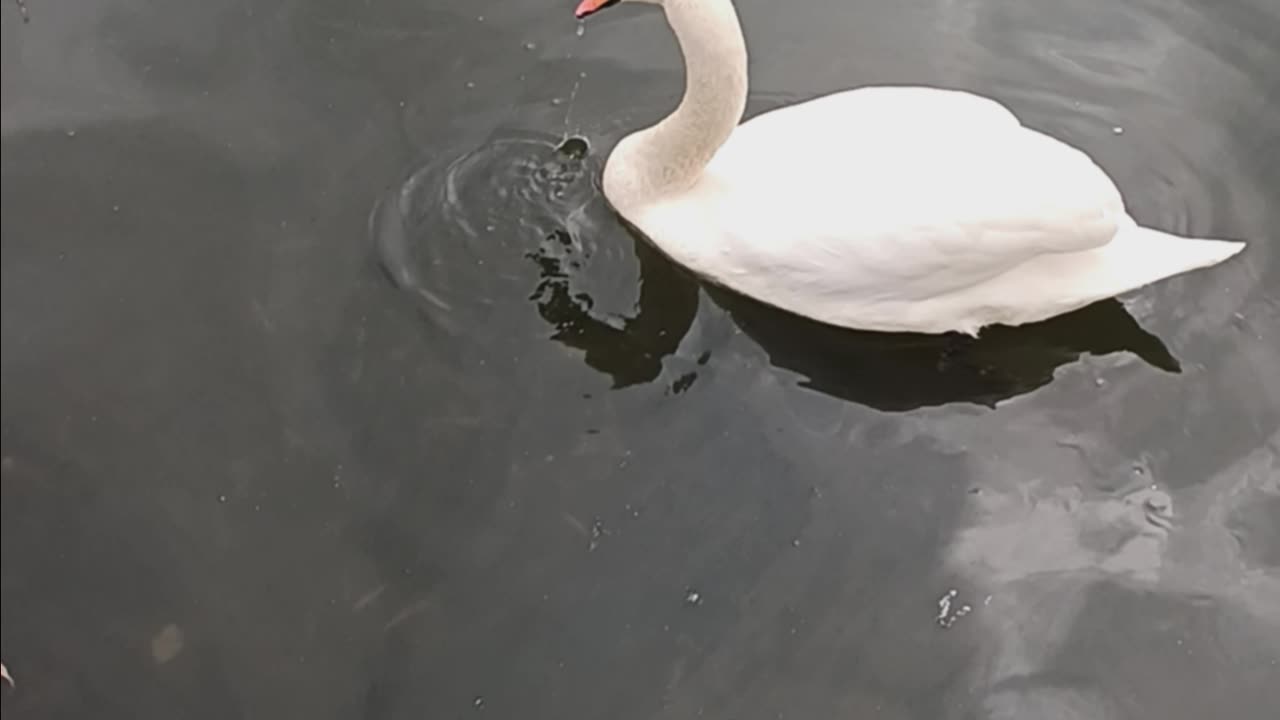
(888, 208)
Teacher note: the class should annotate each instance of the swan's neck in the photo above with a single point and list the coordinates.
(669, 156)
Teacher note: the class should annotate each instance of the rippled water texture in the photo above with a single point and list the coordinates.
(334, 388)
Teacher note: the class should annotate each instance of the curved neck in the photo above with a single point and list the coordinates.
(677, 148)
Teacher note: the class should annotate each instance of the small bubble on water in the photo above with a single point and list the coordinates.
(222, 498)
(478, 702)
(692, 597)
(598, 531)
(948, 613)
(115, 208)
(531, 46)
(1117, 130)
(71, 133)
(1099, 382)
(557, 101)
(470, 85)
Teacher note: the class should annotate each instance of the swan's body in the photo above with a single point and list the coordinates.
(880, 208)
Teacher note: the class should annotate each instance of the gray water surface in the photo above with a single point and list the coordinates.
(332, 388)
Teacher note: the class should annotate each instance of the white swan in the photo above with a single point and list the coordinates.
(890, 208)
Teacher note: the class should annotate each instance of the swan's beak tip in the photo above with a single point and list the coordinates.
(590, 7)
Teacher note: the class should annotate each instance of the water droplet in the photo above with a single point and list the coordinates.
(1099, 382)
(597, 531)
(531, 45)
(581, 29)
(115, 208)
(478, 702)
(222, 498)
(1117, 130)
(947, 615)
(692, 597)
(557, 101)
(71, 133)
(470, 85)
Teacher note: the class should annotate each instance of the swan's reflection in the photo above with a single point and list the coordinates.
(902, 371)
(887, 371)
(629, 349)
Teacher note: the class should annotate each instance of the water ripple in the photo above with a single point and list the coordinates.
(520, 220)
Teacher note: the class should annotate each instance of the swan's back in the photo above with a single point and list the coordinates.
(887, 192)
(902, 160)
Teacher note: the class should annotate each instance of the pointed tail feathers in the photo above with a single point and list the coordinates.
(1173, 254)
(1135, 257)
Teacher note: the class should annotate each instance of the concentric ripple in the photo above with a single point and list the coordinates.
(519, 221)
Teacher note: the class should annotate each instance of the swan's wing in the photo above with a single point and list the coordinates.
(925, 192)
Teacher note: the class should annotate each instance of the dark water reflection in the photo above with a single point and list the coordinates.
(332, 387)
(905, 372)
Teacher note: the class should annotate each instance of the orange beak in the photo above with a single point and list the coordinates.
(591, 7)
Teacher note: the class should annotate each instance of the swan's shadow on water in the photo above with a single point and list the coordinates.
(905, 371)
(560, 247)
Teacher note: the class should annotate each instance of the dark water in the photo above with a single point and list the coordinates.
(332, 388)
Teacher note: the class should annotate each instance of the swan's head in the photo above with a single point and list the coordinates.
(591, 7)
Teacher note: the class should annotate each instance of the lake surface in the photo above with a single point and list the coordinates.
(333, 389)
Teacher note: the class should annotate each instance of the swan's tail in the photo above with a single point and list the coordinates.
(1135, 257)
(1164, 254)
(1138, 256)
